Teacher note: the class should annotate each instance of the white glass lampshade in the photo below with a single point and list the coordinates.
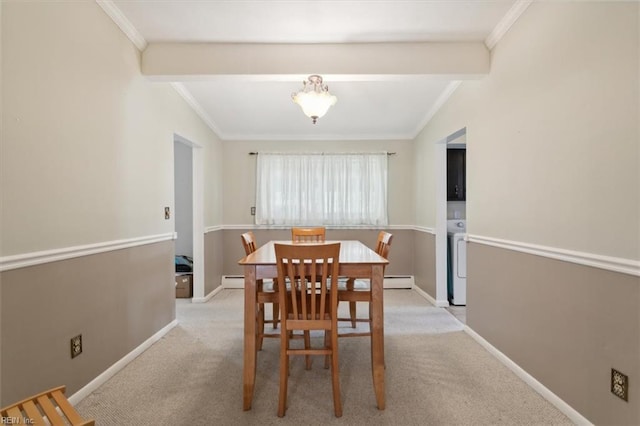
(314, 99)
(314, 104)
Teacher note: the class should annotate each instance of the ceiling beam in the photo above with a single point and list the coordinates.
(188, 61)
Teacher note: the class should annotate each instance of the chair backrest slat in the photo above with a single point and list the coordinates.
(248, 242)
(311, 271)
(308, 234)
(383, 245)
(52, 415)
(33, 413)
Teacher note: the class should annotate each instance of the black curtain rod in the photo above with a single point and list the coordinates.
(355, 153)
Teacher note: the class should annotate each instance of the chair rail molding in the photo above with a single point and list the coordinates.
(615, 264)
(424, 229)
(213, 228)
(355, 227)
(46, 256)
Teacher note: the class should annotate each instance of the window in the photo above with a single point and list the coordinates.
(321, 189)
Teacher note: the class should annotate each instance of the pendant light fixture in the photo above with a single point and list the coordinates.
(314, 98)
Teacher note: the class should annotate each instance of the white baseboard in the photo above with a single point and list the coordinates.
(119, 365)
(565, 408)
(434, 302)
(554, 399)
(400, 281)
(206, 298)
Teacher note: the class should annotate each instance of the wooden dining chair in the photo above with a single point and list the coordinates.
(266, 292)
(308, 234)
(51, 404)
(359, 290)
(309, 305)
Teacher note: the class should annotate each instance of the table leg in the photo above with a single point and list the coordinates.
(249, 361)
(377, 334)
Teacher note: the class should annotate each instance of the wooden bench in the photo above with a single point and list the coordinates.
(51, 405)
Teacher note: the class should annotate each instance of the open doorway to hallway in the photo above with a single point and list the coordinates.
(183, 217)
(189, 208)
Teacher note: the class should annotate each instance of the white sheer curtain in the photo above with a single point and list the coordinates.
(321, 189)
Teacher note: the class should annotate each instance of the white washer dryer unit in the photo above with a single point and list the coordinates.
(457, 233)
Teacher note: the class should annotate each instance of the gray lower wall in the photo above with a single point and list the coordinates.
(400, 257)
(425, 262)
(116, 300)
(565, 324)
(214, 254)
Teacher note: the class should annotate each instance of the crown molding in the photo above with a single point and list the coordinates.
(506, 22)
(125, 25)
(498, 32)
(136, 38)
(442, 99)
(197, 108)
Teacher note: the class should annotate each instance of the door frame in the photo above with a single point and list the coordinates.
(441, 215)
(197, 199)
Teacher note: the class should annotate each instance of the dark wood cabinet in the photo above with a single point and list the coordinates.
(456, 174)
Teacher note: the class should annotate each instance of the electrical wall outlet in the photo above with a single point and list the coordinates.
(253, 211)
(620, 385)
(76, 345)
(167, 213)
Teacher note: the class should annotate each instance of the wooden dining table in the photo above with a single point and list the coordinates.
(356, 261)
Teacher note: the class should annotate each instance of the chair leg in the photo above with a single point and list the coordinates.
(284, 374)
(276, 307)
(307, 345)
(352, 313)
(352, 305)
(335, 375)
(327, 344)
(276, 315)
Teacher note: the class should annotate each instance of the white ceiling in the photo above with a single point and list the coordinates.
(369, 106)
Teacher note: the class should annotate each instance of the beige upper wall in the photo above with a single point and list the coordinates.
(239, 169)
(552, 132)
(87, 141)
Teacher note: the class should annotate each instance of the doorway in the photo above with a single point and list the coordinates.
(188, 208)
(445, 211)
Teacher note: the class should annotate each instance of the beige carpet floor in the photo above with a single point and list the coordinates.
(436, 375)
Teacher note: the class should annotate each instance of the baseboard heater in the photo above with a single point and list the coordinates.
(391, 281)
(233, 281)
(398, 281)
